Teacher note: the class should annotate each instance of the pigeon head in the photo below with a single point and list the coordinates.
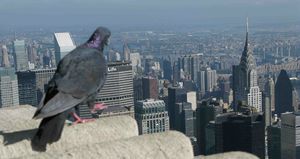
(99, 38)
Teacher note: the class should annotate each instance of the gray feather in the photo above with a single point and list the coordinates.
(59, 103)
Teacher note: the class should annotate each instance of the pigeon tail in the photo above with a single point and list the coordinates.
(49, 131)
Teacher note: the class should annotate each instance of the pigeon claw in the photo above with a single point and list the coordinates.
(80, 120)
(98, 107)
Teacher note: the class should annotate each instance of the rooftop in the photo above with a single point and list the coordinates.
(64, 39)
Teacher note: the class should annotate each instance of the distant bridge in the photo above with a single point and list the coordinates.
(288, 66)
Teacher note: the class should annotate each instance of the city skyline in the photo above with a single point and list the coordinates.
(189, 66)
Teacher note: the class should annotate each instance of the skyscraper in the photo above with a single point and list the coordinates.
(210, 80)
(225, 90)
(167, 69)
(274, 141)
(207, 79)
(190, 65)
(8, 88)
(148, 65)
(245, 87)
(283, 94)
(63, 44)
(126, 52)
(151, 116)
(137, 89)
(184, 120)
(270, 92)
(201, 81)
(117, 92)
(192, 98)
(267, 111)
(175, 95)
(206, 111)
(136, 63)
(150, 87)
(290, 134)
(32, 85)
(238, 132)
(5, 60)
(20, 55)
(32, 53)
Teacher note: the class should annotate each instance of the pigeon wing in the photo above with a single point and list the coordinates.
(79, 75)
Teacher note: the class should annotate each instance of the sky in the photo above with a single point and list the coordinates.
(120, 13)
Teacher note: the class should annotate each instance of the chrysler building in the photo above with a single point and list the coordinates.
(245, 87)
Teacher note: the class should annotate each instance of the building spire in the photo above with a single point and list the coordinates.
(247, 57)
(247, 23)
(246, 43)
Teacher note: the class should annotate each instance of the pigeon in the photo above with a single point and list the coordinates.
(78, 78)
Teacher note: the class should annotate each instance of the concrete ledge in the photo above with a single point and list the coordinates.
(111, 137)
(16, 135)
(17, 118)
(229, 155)
(168, 145)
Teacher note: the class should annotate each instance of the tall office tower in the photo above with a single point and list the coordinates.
(284, 94)
(245, 87)
(8, 88)
(148, 65)
(274, 141)
(267, 111)
(176, 72)
(192, 98)
(32, 85)
(201, 81)
(135, 59)
(296, 92)
(211, 79)
(136, 62)
(210, 139)
(167, 69)
(137, 89)
(32, 53)
(46, 59)
(63, 44)
(225, 89)
(5, 60)
(207, 79)
(117, 57)
(20, 55)
(270, 92)
(190, 65)
(184, 120)
(189, 85)
(117, 92)
(196, 65)
(126, 52)
(290, 134)
(176, 94)
(185, 64)
(206, 111)
(238, 132)
(52, 59)
(150, 87)
(151, 116)
(111, 55)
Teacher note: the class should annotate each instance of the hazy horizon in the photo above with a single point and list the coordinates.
(128, 13)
